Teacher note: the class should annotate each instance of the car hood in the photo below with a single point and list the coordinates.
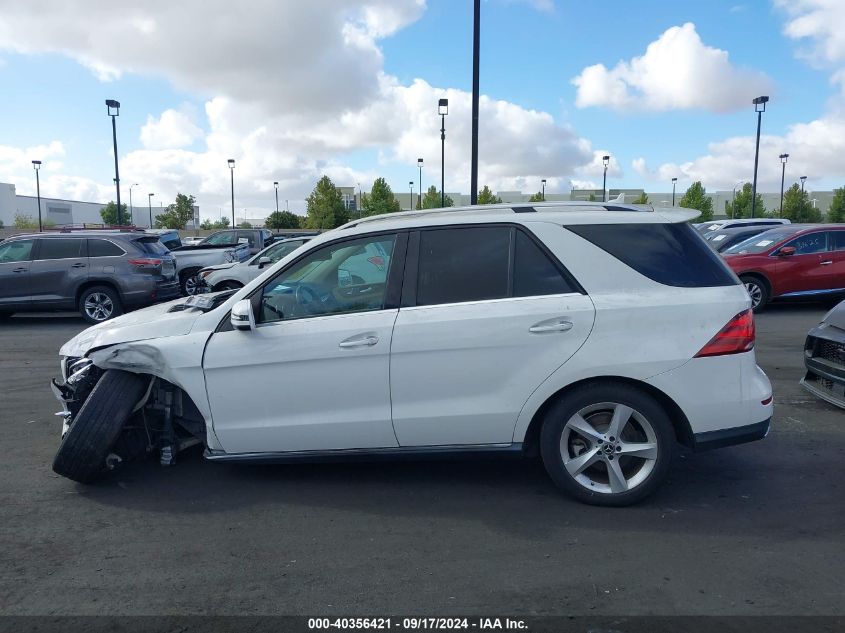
(221, 266)
(153, 322)
(836, 317)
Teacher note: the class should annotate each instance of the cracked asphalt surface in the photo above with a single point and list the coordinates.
(755, 529)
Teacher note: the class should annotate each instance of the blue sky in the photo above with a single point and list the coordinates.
(349, 88)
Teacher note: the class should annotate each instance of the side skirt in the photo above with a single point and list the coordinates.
(371, 454)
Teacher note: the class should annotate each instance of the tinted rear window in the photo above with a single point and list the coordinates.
(60, 248)
(103, 248)
(670, 254)
(151, 246)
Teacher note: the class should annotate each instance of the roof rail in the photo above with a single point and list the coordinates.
(516, 207)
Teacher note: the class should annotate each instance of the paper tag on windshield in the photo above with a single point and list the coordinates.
(764, 243)
(719, 238)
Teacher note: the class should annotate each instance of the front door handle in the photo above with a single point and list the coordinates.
(827, 263)
(359, 341)
(19, 270)
(78, 265)
(552, 325)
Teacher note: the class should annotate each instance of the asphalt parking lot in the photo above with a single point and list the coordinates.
(747, 530)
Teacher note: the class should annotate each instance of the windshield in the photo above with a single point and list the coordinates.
(758, 243)
(278, 251)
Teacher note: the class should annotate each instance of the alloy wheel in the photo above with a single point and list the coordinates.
(755, 292)
(98, 306)
(609, 447)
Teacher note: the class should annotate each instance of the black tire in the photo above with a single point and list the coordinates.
(188, 280)
(84, 448)
(104, 296)
(581, 485)
(758, 290)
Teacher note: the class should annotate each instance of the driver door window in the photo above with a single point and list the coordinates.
(345, 277)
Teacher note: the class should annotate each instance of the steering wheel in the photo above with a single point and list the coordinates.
(306, 296)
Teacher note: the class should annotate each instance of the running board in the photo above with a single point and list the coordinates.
(371, 454)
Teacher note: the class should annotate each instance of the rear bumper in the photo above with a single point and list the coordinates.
(731, 436)
(150, 291)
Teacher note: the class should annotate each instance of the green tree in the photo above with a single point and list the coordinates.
(222, 223)
(485, 196)
(379, 200)
(797, 206)
(836, 212)
(245, 225)
(23, 221)
(696, 198)
(325, 206)
(206, 225)
(641, 199)
(109, 213)
(283, 220)
(536, 197)
(591, 197)
(740, 207)
(178, 214)
(431, 199)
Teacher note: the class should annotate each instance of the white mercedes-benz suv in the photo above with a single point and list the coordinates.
(597, 337)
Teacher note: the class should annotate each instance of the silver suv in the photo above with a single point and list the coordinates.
(98, 273)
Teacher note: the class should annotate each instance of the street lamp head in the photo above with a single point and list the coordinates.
(231, 162)
(760, 103)
(605, 160)
(543, 181)
(443, 107)
(783, 157)
(111, 104)
(36, 164)
(150, 195)
(675, 179)
(420, 162)
(276, 184)
(803, 178)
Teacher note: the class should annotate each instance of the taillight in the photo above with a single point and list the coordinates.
(735, 338)
(145, 261)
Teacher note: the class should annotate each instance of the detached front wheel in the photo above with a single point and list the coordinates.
(95, 429)
(607, 444)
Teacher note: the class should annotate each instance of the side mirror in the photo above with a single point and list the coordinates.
(264, 261)
(786, 251)
(242, 317)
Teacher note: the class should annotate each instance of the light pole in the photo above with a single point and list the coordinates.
(674, 182)
(36, 165)
(476, 43)
(131, 207)
(802, 179)
(606, 161)
(419, 199)
(443, 110)
(276, 185)
(150, 204)
(759, 108)
(113, 110)
(231, 162)
(733, 199)
(358, 205)
(543, 195)
(783, 158)
(411, 185)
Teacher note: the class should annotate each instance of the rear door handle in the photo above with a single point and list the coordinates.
(19, 270)
(552, 325)
(367, 340)
(827, 263)
(77, 265)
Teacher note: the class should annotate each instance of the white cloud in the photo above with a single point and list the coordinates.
(669, 76)
(173, 129)
(821, 22)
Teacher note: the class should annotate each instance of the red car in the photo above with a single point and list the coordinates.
(795, 260)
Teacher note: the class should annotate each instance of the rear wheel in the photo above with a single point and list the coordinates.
(99, 303)
(95, 429)
(757, 290)
(607, 444)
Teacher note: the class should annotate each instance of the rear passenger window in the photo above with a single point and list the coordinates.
(809, 243)
(837, 240)
(103, 248)
(670, 254)
(534, 273)
(463, 264)
(60, 248)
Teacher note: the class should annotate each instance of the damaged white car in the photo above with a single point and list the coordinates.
(592, 336)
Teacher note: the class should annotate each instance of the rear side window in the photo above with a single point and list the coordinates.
(151, 246)
(533, 272)
(103, 248)
(670, 254)
(463, 264)
(61, 248)
(809, 243)
(837, 240)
